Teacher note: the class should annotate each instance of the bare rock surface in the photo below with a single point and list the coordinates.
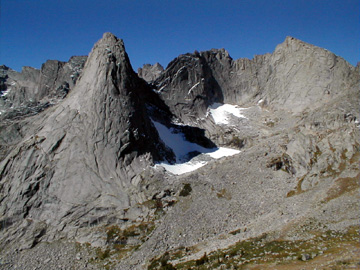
(31, 91)
(79, 189)
(150, 72)
(87, 151)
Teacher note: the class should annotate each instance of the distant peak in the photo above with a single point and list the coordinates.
(108, 35)
(157, 64)
(110, 39)
(294, 44)
(4, 67)
(292, 40)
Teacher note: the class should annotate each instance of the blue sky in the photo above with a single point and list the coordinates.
(32, 31)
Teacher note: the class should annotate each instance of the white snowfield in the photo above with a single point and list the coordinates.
(181, 148)
(223, 152)
(177, 142)
(183, 167)
(221, 113)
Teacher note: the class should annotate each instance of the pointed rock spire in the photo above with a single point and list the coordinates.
(89, 150)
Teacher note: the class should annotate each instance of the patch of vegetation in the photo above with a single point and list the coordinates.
(161, 263)
(356, 157)
(151, 204)
(224, 194)
(117, 243)
(186, 190)
(260, 251)
(102, 254)
(343, 262)
(204, 259)
(112, 233)
(345, 161)
(341, 186)
(159, 206)
(298, 189)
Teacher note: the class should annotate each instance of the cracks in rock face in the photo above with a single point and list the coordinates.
(57, 144)
(102, 147)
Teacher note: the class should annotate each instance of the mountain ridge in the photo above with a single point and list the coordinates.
(78, 163)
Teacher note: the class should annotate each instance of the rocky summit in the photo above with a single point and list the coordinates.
(211, 163)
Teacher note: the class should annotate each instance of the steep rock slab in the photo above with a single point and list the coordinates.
(82, 165)
(303, 76)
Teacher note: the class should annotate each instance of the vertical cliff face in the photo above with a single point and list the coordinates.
(88, 151)
(188, 85)
(296, 76)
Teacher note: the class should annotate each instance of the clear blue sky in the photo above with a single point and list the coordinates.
(32, 31)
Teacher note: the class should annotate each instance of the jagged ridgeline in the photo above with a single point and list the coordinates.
(151, 170)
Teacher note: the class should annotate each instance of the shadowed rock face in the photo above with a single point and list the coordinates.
(188, 85)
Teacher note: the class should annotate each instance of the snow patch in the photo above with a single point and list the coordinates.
(5, 93)
(177, 142)
(183, 150)
(223, 152)
(162, 88)
(192, 88)
(182, 168)
(222, 112)
(179, 70)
